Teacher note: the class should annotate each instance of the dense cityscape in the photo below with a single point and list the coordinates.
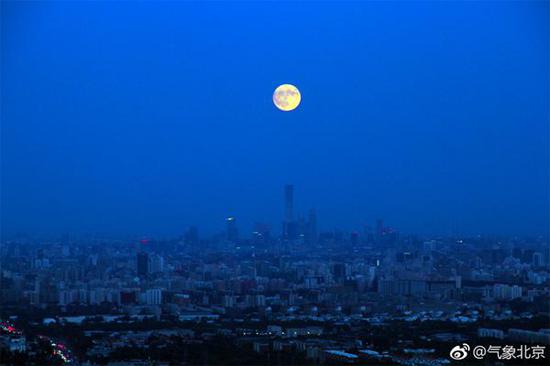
(294, 295)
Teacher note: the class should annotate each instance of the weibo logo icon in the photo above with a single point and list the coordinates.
(459, 352)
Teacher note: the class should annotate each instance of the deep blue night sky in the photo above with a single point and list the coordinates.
(145, 118)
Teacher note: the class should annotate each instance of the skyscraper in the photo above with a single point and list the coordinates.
(379, 227)
(289, 203)
(311, 234)
(261, 233)
(232, 233)
(354, 238)
(290, 227)
(191, 236)
(142, 264)
(156, 263)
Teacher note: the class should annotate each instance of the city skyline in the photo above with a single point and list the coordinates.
(289, 222)
(167, 120)
(274, 183)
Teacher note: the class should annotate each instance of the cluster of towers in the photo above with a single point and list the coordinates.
(294, 229)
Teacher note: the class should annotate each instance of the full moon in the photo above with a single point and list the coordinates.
(286, 97)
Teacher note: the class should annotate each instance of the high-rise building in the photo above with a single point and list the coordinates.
(311, 233)
(289, 203)
(354, 238)
(379, 228)
(290, 227)
(261, 234)
(506, 292)
(232, 233)
(369, 235)
(156, 263)
(537, 260)
(142, 264)
(291, 230)
(153, 296)
(191, 236)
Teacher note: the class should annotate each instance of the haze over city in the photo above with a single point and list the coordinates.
(274, 183)
(146, 119)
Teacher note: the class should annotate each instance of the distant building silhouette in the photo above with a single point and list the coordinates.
(290, 227)
(354, 238)
(191, 236)
(379, 228)
(231, 233)
(311, 227)
(261, 233)
(142, 264)
(289, 203)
